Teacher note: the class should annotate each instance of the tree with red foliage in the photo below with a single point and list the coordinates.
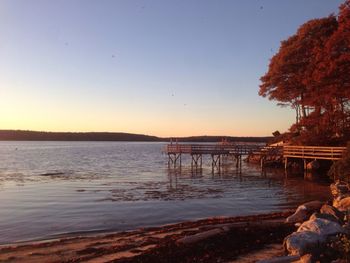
(311, 73)
(334, 73)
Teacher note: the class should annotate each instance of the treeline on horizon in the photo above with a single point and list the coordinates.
(20, 135)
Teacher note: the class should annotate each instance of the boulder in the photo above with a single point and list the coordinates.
(322, 227)
(307, 258)
(283, 259)
(331, 210)
(342, 204)
(311, 236)
(304, 211)
(339, 260)
(339, 190)
(336, 203)
(300, 215)
(325, 216)
(301, 243)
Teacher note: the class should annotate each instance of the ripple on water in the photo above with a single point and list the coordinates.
(47, 188)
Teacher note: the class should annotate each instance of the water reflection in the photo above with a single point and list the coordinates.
(57, 187)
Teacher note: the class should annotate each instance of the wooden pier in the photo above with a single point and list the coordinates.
(218, 151)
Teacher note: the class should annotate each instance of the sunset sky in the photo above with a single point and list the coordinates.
(166, 68)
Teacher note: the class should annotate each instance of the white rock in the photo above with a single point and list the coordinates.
(300, 243)
(321, 226)
(325, 216)
(311, 235)
(304, 211)
(300, 215)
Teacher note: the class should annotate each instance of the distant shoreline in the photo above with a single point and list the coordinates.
(22, 135)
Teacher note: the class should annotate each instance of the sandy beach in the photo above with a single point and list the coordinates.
(227, 239)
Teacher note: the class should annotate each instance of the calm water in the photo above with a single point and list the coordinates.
(48, 189)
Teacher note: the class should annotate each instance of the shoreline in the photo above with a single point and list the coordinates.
(188, 240)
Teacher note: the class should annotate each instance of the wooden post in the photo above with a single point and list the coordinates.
(262, 162)
(212, 163)
(285, 163)
(191, 161)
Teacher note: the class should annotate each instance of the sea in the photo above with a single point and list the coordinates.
(55, 189)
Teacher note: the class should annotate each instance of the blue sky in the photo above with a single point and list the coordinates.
(167, 68)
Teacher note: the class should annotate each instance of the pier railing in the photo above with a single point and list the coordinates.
(313, 152)
(213, 149)
(266, 153)
(303, 152)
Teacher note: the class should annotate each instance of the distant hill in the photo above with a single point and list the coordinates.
(20, 135)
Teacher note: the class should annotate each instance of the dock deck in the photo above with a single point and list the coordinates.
(217, 151)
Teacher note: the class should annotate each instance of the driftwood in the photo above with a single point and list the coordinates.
(224, 228)
(286, 259)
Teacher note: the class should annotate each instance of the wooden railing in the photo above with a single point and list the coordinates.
(304, 152)
(313, 152)
(212, 149)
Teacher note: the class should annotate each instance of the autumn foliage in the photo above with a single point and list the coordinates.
(311, 74)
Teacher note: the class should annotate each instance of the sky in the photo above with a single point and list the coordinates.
(158, 67)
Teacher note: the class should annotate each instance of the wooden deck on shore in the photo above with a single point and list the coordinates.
(307, 153)
(313, 152)
(236, 151)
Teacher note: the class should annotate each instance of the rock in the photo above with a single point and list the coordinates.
(343, 204)
(301, 243)
(285, 259)
(322, 227)
(300, 215)
(336, 202)
(347, 228)
(311, 236)
(201, 236)
(306, 259)
(313, 165)
(339, 261)
(339, 190)
(327, 209)
(304, 211)
(325, 216)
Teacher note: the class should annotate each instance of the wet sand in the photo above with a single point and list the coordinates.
(226, 239)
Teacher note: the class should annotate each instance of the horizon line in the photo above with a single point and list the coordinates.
(131, 133)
